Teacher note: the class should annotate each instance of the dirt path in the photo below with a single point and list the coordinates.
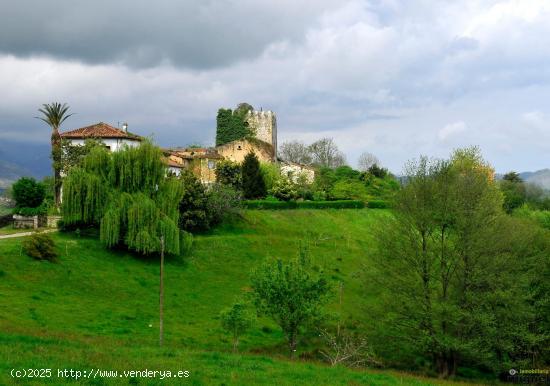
(23, 234)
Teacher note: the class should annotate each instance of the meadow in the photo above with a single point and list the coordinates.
(97, 308)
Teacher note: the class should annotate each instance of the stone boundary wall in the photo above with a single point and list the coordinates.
(28, 222)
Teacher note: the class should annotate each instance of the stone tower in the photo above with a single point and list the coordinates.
(264, 125)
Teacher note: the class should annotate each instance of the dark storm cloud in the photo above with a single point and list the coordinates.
(196, 34)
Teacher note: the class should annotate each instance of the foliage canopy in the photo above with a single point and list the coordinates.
(127, 194)
(291, 294)
(28, 193)
(232, 125)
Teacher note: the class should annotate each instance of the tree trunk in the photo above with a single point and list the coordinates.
(235, 343)
(161, 293)
(56, 162)
(292, 344)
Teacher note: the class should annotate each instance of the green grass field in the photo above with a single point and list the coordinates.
(99, 309)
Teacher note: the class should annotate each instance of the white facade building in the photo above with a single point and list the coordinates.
(114, 139)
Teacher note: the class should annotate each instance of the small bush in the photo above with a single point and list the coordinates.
(284, 190)
(279, 205)
(40, 246)
(186, 243)
(378, 204)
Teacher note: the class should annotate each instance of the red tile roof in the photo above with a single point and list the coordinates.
(173, 163)
(99, 130)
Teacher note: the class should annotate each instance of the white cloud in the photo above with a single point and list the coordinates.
(451, 130)
(394, 78)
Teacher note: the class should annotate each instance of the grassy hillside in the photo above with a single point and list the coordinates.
(99, 308)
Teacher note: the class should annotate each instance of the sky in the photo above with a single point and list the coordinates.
(394, 78)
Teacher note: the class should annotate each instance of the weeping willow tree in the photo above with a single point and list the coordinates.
(128, 196)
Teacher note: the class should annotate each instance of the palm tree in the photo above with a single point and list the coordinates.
(54, 114)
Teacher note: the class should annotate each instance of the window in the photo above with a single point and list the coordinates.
(211, 164)
(239, 147)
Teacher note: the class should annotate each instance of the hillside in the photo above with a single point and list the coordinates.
(98, 308)
(18, 159)
(10, 172)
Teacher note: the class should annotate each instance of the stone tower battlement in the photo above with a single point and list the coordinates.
(264, 125)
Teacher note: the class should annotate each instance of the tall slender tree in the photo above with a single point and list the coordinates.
(253, 182)
(54, 114)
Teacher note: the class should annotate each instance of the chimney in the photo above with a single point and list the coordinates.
(125, 127)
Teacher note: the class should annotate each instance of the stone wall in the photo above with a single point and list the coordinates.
(237, 150)
(264, 125)
(51, 221)
(32, 222)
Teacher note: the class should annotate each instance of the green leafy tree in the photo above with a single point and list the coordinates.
(291, 294)
(194, 204)
(253, 182)
(28, 193)
(512, 177)
(128, 196)
(229, 173)
(54, 114)
(236, 320)
(514, 190)
(446, 274)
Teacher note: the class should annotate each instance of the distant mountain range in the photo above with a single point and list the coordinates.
(540, 178)
(18, 159)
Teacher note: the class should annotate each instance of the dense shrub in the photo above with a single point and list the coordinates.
(6, 220)
(28, 193)
(253, 182)
(284, 190)
(378, 171)
(38, 211)
(202, 208)
(40, 246)
(223, 202)
(194, 204)
(271, 173)
(349, 189)
(378, 204)
(229, 173)
(542, 217)
(275, 205)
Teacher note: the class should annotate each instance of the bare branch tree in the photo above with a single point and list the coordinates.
(296, 152)
(343, 348)
(366, 161)
(324, 152)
